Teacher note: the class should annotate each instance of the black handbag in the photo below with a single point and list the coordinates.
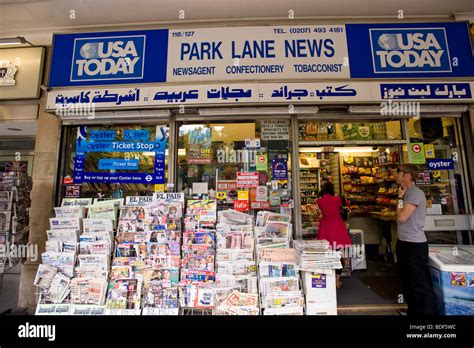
(344, 209)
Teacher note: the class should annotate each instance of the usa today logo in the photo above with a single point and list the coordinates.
(410, 50)
(108, 58)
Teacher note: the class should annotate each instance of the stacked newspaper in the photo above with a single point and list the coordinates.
(62, 245)
(59, 259)
(238, 303)
(235, 260)
(316, 254)
(273, 230)
(105, 209)
(279, 284)
(198, 273)
(79, 249)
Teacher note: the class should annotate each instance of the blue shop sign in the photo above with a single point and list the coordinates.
(119, 167)
(409, 50)
(382, 51)
(109, 58)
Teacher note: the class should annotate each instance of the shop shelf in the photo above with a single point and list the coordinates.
(386, 164)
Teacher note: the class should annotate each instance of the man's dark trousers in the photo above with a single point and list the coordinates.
(412, 259)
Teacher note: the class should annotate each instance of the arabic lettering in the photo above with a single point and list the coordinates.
(426, 91)
(226, 93)
(329, 91)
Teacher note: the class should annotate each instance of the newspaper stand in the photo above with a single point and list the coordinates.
(196, 311)
(14, 215)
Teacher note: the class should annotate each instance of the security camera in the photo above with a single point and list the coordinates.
(375, 148)
(45, 88)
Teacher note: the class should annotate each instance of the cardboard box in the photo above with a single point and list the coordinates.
(320, 287)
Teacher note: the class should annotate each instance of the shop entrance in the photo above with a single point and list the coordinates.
(360, 158)
(364, 177)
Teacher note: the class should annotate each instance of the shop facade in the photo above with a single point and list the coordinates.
(259, 118)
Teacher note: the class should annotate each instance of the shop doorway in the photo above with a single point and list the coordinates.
(360, 158)
(364, 177)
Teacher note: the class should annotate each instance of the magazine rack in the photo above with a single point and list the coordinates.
(14, 218)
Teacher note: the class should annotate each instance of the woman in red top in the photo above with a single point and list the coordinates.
(331, 226)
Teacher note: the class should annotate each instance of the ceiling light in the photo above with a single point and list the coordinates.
(19, 40)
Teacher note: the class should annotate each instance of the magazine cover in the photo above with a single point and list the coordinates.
(127, 237)
(198, 262)
(168, 248)
(163, 236)
(170, 274)
(121, 272)
(123, 294)
(200, 276)
(128, 250)
(200, 237)
(126, 226)
(134, 213)
(163, 261)
(161, 294)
